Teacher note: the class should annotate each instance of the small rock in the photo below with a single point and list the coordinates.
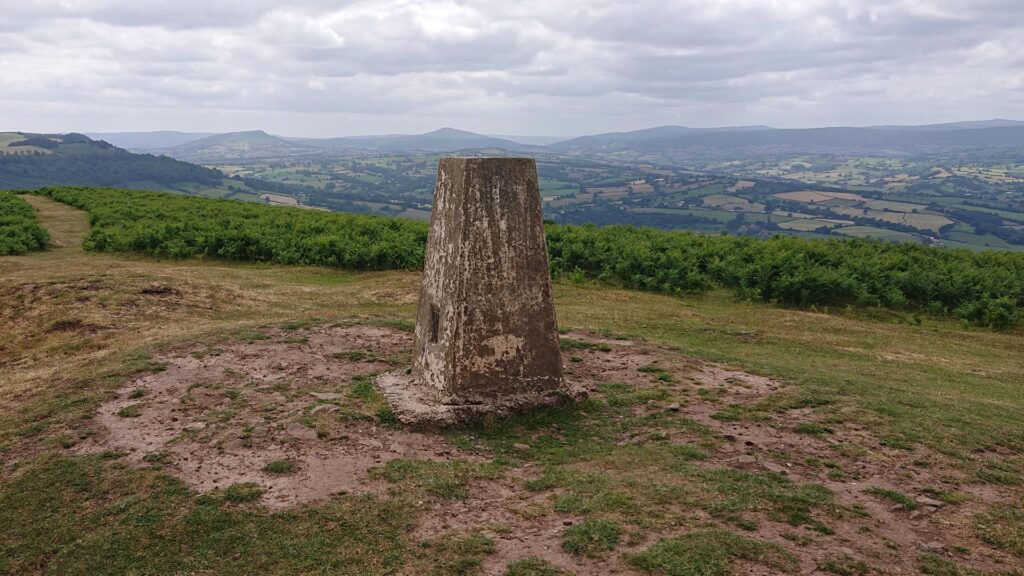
(567, 522)
(233, 446)
(259, 431)
(915, 514)
(674, 407)
(521, 447)
(301, 432)
(727, 448)
(746, 459)
(325, 395)
(926, 501)
(195, 426)
(774, 468)
(325, 408)
(931, 509)
(933, 546)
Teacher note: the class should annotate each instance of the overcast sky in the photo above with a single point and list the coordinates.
(548, 67)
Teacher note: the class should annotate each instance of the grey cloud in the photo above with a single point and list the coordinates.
(322, 67)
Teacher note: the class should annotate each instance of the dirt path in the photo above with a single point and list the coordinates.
(67, 226)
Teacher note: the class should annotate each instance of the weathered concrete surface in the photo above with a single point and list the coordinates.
(486, 339)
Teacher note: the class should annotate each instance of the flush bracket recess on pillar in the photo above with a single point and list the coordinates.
(486, 339)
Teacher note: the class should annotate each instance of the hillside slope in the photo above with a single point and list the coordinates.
(236, 146)
(160, 417)
(34, 160)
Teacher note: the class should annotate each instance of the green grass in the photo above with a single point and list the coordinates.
(444, 480)
(131, 411)
(709, 553)
(283, 466)
(452, 555)
(591, 538)
(900, 498)
(88, 516)
(931, 565)
(845, 565)
(1003, 527)
(243, 492)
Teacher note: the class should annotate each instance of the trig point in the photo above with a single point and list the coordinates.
(486, 340)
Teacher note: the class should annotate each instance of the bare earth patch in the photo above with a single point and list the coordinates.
(294, 411)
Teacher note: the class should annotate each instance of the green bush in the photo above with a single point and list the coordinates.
(985, 288)
(19, 230)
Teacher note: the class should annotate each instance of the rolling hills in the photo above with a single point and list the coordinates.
(34, 160)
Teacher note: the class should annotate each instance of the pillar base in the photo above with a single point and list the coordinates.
(417, 405)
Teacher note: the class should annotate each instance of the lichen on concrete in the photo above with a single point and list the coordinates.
(486, 338)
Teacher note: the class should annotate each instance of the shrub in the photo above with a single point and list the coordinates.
(985, 288)
(19, 230)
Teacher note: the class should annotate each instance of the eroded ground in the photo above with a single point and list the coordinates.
(665, 446)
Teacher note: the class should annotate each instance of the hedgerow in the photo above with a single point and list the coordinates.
(19, 230)
(984, 288)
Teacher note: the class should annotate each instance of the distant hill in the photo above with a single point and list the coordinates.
(612, 140)
(443, 140)
(34, 160)
(250, 145)
(137, 141)
(969, 125)
(678, 141)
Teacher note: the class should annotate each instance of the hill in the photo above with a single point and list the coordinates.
(34, 160)
(250, 145)
(168, 416)
(442, 140)
(257, 145)
(146, 141)
(677, 142)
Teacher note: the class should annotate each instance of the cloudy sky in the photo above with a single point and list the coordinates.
(547, 67)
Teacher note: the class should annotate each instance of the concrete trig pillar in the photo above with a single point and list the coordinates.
(486, 339)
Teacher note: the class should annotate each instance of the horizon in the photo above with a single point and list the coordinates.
(511, 135)
(310, 69)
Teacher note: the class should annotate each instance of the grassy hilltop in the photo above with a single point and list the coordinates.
(730, 428)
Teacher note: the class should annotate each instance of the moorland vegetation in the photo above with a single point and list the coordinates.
(985, 288)
(20, 232)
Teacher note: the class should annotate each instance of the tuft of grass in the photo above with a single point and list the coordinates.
(386, 415)
(131, 411)
(283, 466)
(932, 565)
(452, 555)
(709, 552)
(445, 480)
(574, 344)
(136, 393)
(243, 492)
(250, 335)
(1003, 527)
(591, 537)
(845, 565)
(907, 502)
(532, 566)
